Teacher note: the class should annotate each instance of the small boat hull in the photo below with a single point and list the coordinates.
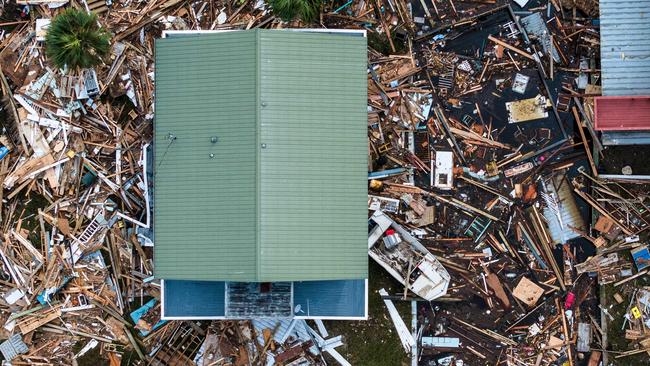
(427, 277)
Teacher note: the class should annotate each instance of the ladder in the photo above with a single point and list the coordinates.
(477, 228)
(93, 228)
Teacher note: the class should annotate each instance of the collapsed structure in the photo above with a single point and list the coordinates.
(502, 206)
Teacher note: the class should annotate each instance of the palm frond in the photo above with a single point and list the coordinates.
(75, 39)
(306, 10)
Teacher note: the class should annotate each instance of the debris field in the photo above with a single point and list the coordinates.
(484, 171)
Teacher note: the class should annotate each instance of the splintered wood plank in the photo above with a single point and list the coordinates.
(494, 283)
(34, 137)
(38, 320)
(26, 168)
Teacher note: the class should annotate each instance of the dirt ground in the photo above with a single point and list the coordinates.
(616, 157)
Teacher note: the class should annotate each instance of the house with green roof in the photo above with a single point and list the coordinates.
(260, 174)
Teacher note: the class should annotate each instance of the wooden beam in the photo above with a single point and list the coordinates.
(594, 171)
(512, 48)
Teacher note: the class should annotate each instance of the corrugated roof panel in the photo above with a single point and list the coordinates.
(204, 219)
(283, 328)
(625, 47)
(313, 187)
(284, 196)
(13, 347)
(561, 210)
(622, 113)
(625, 138)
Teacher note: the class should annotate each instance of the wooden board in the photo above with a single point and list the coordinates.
(528, 292)
(604, 224)
(494, 284)
(37, 320)
(555, 342)
(26, 168)
(594, 359)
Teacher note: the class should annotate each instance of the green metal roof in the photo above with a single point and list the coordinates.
(284, 197)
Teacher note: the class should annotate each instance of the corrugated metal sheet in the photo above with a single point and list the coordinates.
(313, 208)
(622, 113)
(296, 329)
(284, 196)
(561, 210)
(13, 347)
(625, 138)
(535, 25)
(625, 47)
(205, 208)
(299, 332)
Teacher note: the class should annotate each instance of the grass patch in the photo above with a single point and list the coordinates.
(379, 42)
(374, 341)
(615, 331)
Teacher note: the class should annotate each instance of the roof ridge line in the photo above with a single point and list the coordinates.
(258, 157)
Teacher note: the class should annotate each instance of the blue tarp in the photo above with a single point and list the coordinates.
(641, 257)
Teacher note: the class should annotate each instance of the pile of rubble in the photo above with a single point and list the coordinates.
(481, 142)
(480, 132)
(77, 268)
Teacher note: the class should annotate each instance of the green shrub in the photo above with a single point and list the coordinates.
(306, 10)
(74, 38)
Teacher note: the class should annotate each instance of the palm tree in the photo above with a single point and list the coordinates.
(75, 39)
(306, 10)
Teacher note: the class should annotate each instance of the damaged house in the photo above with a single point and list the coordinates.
(622, 114)
(260, 168)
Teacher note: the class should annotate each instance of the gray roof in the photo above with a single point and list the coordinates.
(625, 46)
(13, 347)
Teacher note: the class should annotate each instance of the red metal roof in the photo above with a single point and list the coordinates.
(629, 113)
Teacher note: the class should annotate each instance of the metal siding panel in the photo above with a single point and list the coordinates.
(625, 138)
(313, 182)
(344, 298)
(567, 209)
(622, 113)
(194, 298)
(285, 325)
(625, 47)
(205, 208)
